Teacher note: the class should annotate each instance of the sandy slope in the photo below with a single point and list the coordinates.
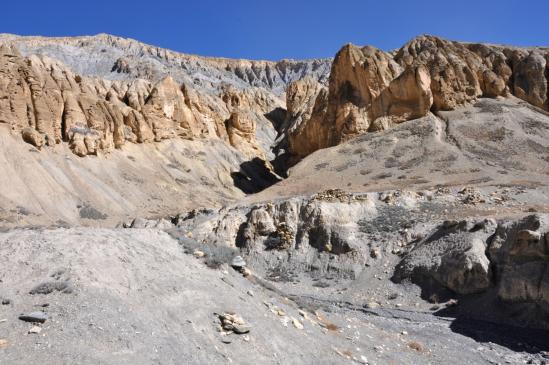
(492, 142)
(53, 186)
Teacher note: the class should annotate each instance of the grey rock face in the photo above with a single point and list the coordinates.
(520, 255)
(453, 255)
(115, 58)
(323, 233)
(510, 259)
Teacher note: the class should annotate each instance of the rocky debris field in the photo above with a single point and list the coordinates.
(137, 297)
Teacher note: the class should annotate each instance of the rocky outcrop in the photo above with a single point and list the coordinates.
(368, 91)
(371, 90)
(98, 93)
(241, 129)
(453, 256)
(530, 77)
(48, 104)
(135, 100)
(168, 113)
(116, 58)
(346, 235)
(304, 98)
(300, 100)
(519, 253)
(246, 108)
(320, 234)
(492, 268)
(509, 258)
(457, 74)
(310, 134)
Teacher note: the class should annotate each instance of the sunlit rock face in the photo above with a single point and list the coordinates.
(372, 90)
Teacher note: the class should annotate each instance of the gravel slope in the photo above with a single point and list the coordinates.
(137, 298)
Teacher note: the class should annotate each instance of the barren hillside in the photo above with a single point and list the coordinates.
(374, 208)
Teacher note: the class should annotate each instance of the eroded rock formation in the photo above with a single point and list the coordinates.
(359, 235)
(150, 94)
(371, 90)
(48, 104)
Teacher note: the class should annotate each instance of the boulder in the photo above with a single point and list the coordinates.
(33, 137)
(238, 262)
(453, 256)
(519, 252)
(34, 317)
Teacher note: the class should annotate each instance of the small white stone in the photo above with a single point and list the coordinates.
(198, 254)
(297, 324)
(35, 329)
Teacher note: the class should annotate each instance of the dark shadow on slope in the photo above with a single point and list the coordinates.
(277, 117)
(482, 320)
(283, 160)
(254, 176)
(514, 338)
(282, 163)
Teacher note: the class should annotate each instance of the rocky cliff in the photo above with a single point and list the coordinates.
(372, 90)
(98, 93)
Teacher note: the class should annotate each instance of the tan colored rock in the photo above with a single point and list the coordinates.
(313, 133)
(241, 131)
(33, 137)
(407, 97)
(301, 96)
(529, 79)
(137, 93)
(368, 91)
(73, 115)
(48, 104)
(453, 69)
(371, 90)
(167, 113)
(78, 145)
(139, 127)
(359, 75)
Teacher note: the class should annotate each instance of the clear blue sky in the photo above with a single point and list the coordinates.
(281, 28)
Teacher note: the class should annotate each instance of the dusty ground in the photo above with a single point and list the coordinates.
(55, 187)
(138, 298)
